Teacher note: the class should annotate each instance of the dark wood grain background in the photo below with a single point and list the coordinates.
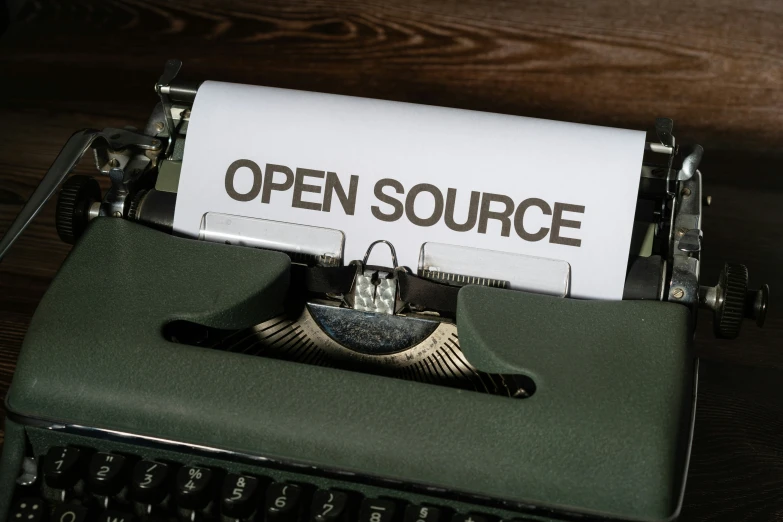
(716, 67)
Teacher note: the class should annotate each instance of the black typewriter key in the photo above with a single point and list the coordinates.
(423, 514)
(28, 509)
(106, 474)
(150, 481)
(115, 516)
(239, 496)
(329, 506)
(283, 502)
(194, 487)
(69, 513)
(377, 510)
(62, 467)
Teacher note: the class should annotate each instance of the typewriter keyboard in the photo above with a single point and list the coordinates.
(85, 482)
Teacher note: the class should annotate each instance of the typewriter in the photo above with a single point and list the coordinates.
(172, 379)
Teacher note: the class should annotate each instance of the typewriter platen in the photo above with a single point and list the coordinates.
(316, 394)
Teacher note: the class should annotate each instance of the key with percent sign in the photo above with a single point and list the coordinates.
(194, 487)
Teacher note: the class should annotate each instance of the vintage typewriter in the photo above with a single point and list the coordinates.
(165, 378)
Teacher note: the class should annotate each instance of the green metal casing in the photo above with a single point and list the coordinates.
(606, 433)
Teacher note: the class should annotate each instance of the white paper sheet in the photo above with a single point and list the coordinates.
(520, 173)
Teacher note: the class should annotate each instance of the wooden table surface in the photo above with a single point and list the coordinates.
(716, 67)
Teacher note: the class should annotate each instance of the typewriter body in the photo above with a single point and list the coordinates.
(165, 378)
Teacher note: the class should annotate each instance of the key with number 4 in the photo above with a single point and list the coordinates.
(194, 487)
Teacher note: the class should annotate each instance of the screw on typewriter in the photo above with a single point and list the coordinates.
(143, 167)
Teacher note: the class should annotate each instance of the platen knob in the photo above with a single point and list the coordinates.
(732, 287)
(731, 301)
(73, 206)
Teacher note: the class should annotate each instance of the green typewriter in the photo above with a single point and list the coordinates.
(178, 379)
